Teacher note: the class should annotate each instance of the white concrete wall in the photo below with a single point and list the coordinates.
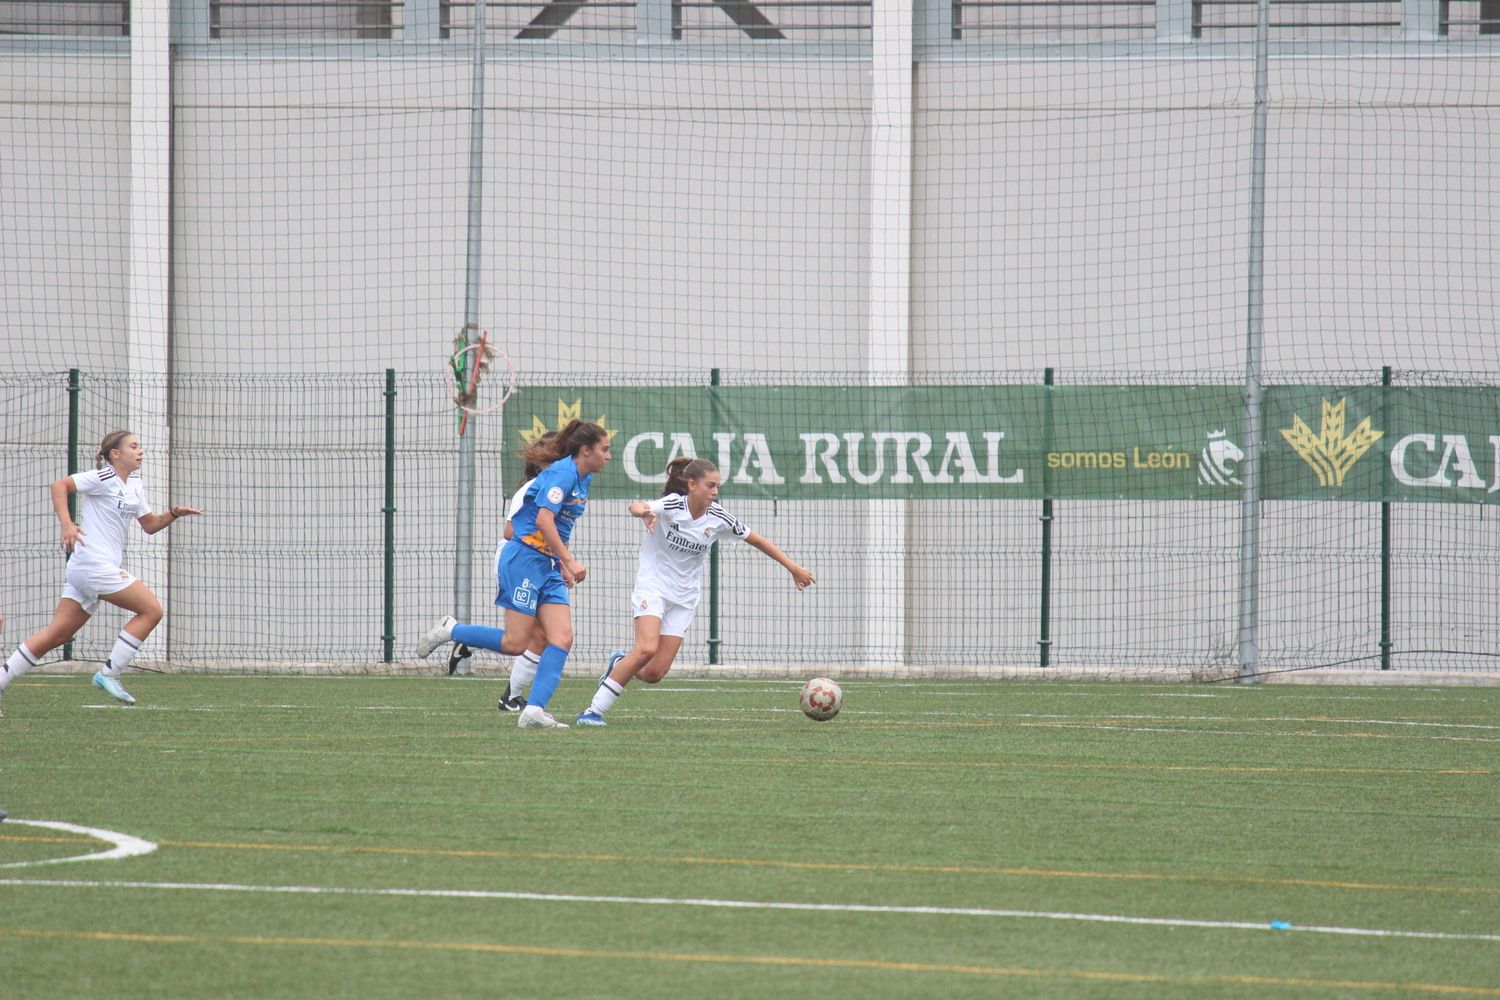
(644, 217)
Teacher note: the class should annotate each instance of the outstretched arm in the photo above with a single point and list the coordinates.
(801, 577)
(642, 510)
(152, 523)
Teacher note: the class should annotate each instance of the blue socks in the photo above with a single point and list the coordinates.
(548, 672)
(479, 637)
(548, 675)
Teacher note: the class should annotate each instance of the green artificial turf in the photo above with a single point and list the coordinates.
(1367, 811)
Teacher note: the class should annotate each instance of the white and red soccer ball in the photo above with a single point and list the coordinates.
(822, 699)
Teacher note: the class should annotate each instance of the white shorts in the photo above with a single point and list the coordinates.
(88, 581)
(675, 618)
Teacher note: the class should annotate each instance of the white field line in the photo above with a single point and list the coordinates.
(125, 846)
(746, 904)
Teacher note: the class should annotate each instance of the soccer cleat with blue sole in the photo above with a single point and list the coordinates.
(112, 687)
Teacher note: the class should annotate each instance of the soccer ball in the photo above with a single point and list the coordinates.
(822, 699)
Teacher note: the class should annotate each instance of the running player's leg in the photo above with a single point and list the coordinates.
(556, 620)
(656, 668)
(523, 672)
(648, 638)
(146, 614)
(67, 619)
(519, 565)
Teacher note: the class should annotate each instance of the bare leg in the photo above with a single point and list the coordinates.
(656, 668)
(139, 601)
(66, 621)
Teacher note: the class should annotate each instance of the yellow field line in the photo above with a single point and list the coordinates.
(1045, 873)
(781, 961)
(1102, 766)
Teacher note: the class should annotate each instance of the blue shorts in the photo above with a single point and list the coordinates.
(527, 579)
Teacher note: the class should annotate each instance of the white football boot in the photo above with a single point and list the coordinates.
(536, 717)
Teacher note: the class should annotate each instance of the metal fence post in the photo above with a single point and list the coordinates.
(74, 390)
(713, 574)
(1044, 643)
(389, 636)
(1385, 552)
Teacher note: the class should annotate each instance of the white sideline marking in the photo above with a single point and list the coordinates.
(125, 846)
(750, 904)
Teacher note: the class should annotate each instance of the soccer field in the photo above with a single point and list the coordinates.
(374, 837)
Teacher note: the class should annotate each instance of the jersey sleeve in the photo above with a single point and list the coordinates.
(554, 485)
(666, 502)
(88, 482)
(670, 508)
(144, 507)
(727, 527)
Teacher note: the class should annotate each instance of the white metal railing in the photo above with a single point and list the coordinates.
(975, 22)
(73, 18)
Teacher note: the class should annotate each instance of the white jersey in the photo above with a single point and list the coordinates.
(673, 556)
(511, 510)
(517, 499)
(107, 508)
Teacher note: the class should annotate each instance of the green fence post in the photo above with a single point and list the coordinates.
(1044, 643)
(1385, 555)
(74, 390)
(713, 572)
(389, 636)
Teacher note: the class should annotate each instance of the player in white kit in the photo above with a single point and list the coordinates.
(112, 495)
(681, 526)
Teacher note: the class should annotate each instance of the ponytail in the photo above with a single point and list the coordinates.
(683, 470)
(578, 435)
(554, 445)
(534, 469)
(112, 441)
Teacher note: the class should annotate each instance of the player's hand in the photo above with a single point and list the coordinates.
(649, 520)
(573, 572)
(802, 578)
(72, 536)
(176, 511)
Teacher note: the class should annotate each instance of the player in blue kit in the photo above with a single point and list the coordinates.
(536, 568)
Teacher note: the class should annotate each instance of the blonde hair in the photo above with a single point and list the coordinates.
(112, 442)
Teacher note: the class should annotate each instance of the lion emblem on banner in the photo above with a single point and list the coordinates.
(1218, 462)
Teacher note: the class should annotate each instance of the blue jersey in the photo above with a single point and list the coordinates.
(560, 489)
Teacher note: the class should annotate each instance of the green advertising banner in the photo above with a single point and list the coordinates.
(1067, 442)
(1421, 444)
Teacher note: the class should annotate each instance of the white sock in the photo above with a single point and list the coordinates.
(20, 661)
(523, 672)
(126, 646)
(605, 697)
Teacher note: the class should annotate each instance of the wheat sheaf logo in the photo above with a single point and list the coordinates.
(1331, 452)
(565, 412)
